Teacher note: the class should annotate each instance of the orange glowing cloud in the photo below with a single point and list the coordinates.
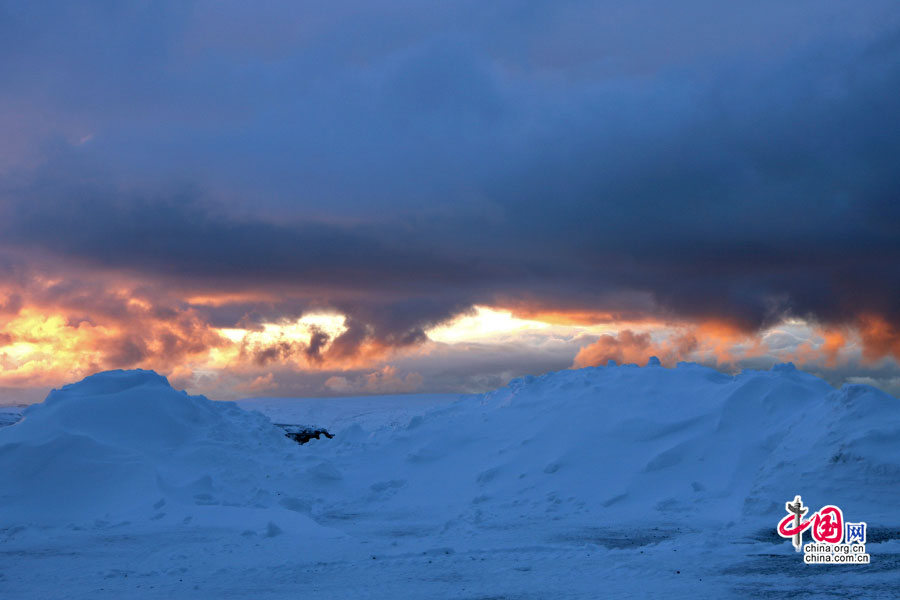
(630, 347)
(719, 343)
(56, 328)
(828, 352)
(880, 338)
(49, 345)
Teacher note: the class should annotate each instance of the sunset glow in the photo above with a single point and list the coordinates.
(37, 346)
(485, 324)
(301, 329)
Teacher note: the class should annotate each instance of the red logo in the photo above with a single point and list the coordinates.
(827, 523)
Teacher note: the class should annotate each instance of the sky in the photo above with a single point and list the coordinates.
(341, 198)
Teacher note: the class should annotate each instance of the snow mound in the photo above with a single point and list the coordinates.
(599, 447)
(123, 442)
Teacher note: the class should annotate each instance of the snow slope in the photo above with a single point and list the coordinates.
(125, 446)
(582, 483)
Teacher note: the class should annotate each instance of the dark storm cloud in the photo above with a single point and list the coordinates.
(183, 238)
(400, 164)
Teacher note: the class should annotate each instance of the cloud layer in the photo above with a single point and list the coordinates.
(175, 169)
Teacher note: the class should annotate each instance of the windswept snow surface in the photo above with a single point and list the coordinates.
(601, 482)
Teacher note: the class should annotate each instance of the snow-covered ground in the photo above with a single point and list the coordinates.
(592, 483)
(369, 412)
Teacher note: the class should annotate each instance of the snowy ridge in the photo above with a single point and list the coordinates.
(674, 446)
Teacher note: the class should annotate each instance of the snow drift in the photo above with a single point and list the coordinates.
(680, 448)
(124, 444)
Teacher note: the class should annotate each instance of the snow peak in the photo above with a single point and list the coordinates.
(839, 542)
